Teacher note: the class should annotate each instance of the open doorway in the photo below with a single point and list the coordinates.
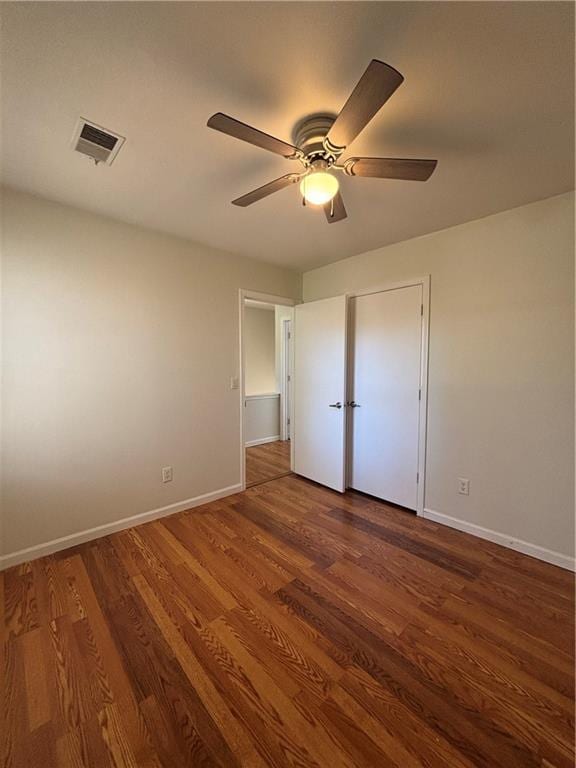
(266, 330)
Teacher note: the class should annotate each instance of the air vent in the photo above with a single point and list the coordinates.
(96, 142)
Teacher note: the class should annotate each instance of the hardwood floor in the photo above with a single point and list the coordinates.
(288, 626)
(267, 461)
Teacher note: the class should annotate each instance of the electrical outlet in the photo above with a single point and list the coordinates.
(166, 474)
(464, 486)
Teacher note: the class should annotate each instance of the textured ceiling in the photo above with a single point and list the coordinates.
(488, 91)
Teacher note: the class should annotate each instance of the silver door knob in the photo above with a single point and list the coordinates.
(353, 404)
(335, 405)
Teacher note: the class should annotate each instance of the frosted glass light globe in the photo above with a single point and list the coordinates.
(319, 188)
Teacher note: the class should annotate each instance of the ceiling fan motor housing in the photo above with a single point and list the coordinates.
(309, 136)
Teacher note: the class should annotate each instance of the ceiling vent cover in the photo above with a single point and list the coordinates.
(96, 142)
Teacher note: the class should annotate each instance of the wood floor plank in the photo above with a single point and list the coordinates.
(267, 461)
(432, 747)
(287, 626)
(305, 740)
(175, 635)
(14, 733)
(72, 686)
(513, 649)
(38, 699)
(183, 541)
(389, 667)
(20, 606)
(533, 720)
(346, 729)
(114, 668)
(435, 554)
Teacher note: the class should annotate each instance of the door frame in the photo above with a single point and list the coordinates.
(285, 375)
(423, 281)
(268, 298)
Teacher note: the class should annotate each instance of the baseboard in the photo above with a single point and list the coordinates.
(541, 553)
(49, 547)
(56, 545)
(262, 440)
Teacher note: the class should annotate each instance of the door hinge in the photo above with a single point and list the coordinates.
(289, 378)
(417, 477)
(289, 335)
(421, 310)
(419, 394)
(288, 421)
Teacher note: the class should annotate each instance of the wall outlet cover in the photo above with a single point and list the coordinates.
(166, 474)
(464, 486)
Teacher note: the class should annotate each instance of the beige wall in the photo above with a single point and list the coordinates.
(259, 351)
(501, 374)
(119, 344)
(261, 419)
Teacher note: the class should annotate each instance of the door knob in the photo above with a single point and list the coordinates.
(335, 405)
(353, 404)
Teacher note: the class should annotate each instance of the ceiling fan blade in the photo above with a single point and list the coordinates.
(267, 189)
(238, 130)
(374, 88)
(335, 210)
(390, 168)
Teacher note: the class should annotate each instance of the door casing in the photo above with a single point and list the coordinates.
(268, 298)
(286, 379)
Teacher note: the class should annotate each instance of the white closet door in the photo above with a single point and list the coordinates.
(385, 384)
(319, 433)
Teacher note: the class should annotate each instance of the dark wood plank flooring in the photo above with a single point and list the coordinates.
(287, 626)
(267, 462)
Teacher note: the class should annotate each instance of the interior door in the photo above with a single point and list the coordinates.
(319, 391)
(386, 332)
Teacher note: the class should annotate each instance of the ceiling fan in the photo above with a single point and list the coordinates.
(320, 139)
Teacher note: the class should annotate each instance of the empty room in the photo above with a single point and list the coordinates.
(287, 384)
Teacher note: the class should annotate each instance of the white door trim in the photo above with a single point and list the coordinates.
(268, 298)
(285, 371)
(424, 281)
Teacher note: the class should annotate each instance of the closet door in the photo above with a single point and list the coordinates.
(319, 434)
(386, 342)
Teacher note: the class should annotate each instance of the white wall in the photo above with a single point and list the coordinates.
(259, 351)
(261, 419)
(501, 375)
(118, 344)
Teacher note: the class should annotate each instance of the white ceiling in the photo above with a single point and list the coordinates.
(488, 91)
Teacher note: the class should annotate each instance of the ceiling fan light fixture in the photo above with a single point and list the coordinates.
(319, 187)
(319, 141)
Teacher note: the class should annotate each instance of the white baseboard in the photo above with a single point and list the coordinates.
(541, 553)
(49, 547)
(262, 440)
